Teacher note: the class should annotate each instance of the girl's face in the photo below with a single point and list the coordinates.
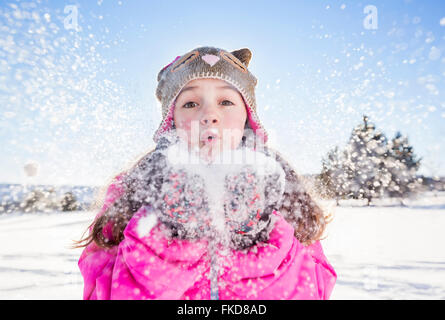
(210, 116)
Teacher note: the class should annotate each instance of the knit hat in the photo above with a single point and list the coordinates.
(208, 62)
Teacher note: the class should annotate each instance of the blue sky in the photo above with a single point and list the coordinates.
(81, 103)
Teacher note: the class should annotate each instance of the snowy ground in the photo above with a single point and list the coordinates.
(387, 251)
(379, 252)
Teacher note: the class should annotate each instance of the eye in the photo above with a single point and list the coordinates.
(231, 103)
(187, 105)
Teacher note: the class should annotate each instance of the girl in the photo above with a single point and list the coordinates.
(175, 229)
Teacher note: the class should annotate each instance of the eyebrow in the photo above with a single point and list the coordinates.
(190, 88)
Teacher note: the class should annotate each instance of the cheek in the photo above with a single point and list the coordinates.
(184, 126)
(235, 119)
(234, 124)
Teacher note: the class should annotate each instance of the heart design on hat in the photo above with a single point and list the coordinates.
(210, 59)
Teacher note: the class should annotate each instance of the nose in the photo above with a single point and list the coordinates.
(210, 119)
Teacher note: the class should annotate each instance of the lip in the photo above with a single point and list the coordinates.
(213, 133)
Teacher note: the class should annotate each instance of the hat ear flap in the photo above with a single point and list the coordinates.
(244, 55)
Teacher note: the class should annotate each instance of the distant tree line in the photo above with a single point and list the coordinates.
(42, 199)
(371, 166)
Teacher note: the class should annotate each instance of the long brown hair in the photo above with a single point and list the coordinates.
(298, 207)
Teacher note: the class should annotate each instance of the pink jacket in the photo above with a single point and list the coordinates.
(154, 267)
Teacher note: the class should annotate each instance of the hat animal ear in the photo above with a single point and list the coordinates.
(160, 74)
(163, 69)
(244, 55)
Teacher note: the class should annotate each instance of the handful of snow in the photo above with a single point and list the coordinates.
(234, 195)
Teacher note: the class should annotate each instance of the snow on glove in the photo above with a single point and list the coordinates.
(252, 194)
(182, 204)
(243, 204)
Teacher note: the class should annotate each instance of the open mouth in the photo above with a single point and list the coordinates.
(209, 136)
(210, 140)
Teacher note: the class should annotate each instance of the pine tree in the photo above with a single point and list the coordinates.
(333, 175)
(402, 164)
(370, 167)
(69, 202)
(364, 162)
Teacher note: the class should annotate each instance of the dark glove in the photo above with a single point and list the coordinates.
(251, 196)
(183, 205)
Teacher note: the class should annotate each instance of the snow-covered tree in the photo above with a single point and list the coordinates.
(333, 176)
(364, 162)
(370, 166)
(69, 202)
(40, 199)
(402, 165)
